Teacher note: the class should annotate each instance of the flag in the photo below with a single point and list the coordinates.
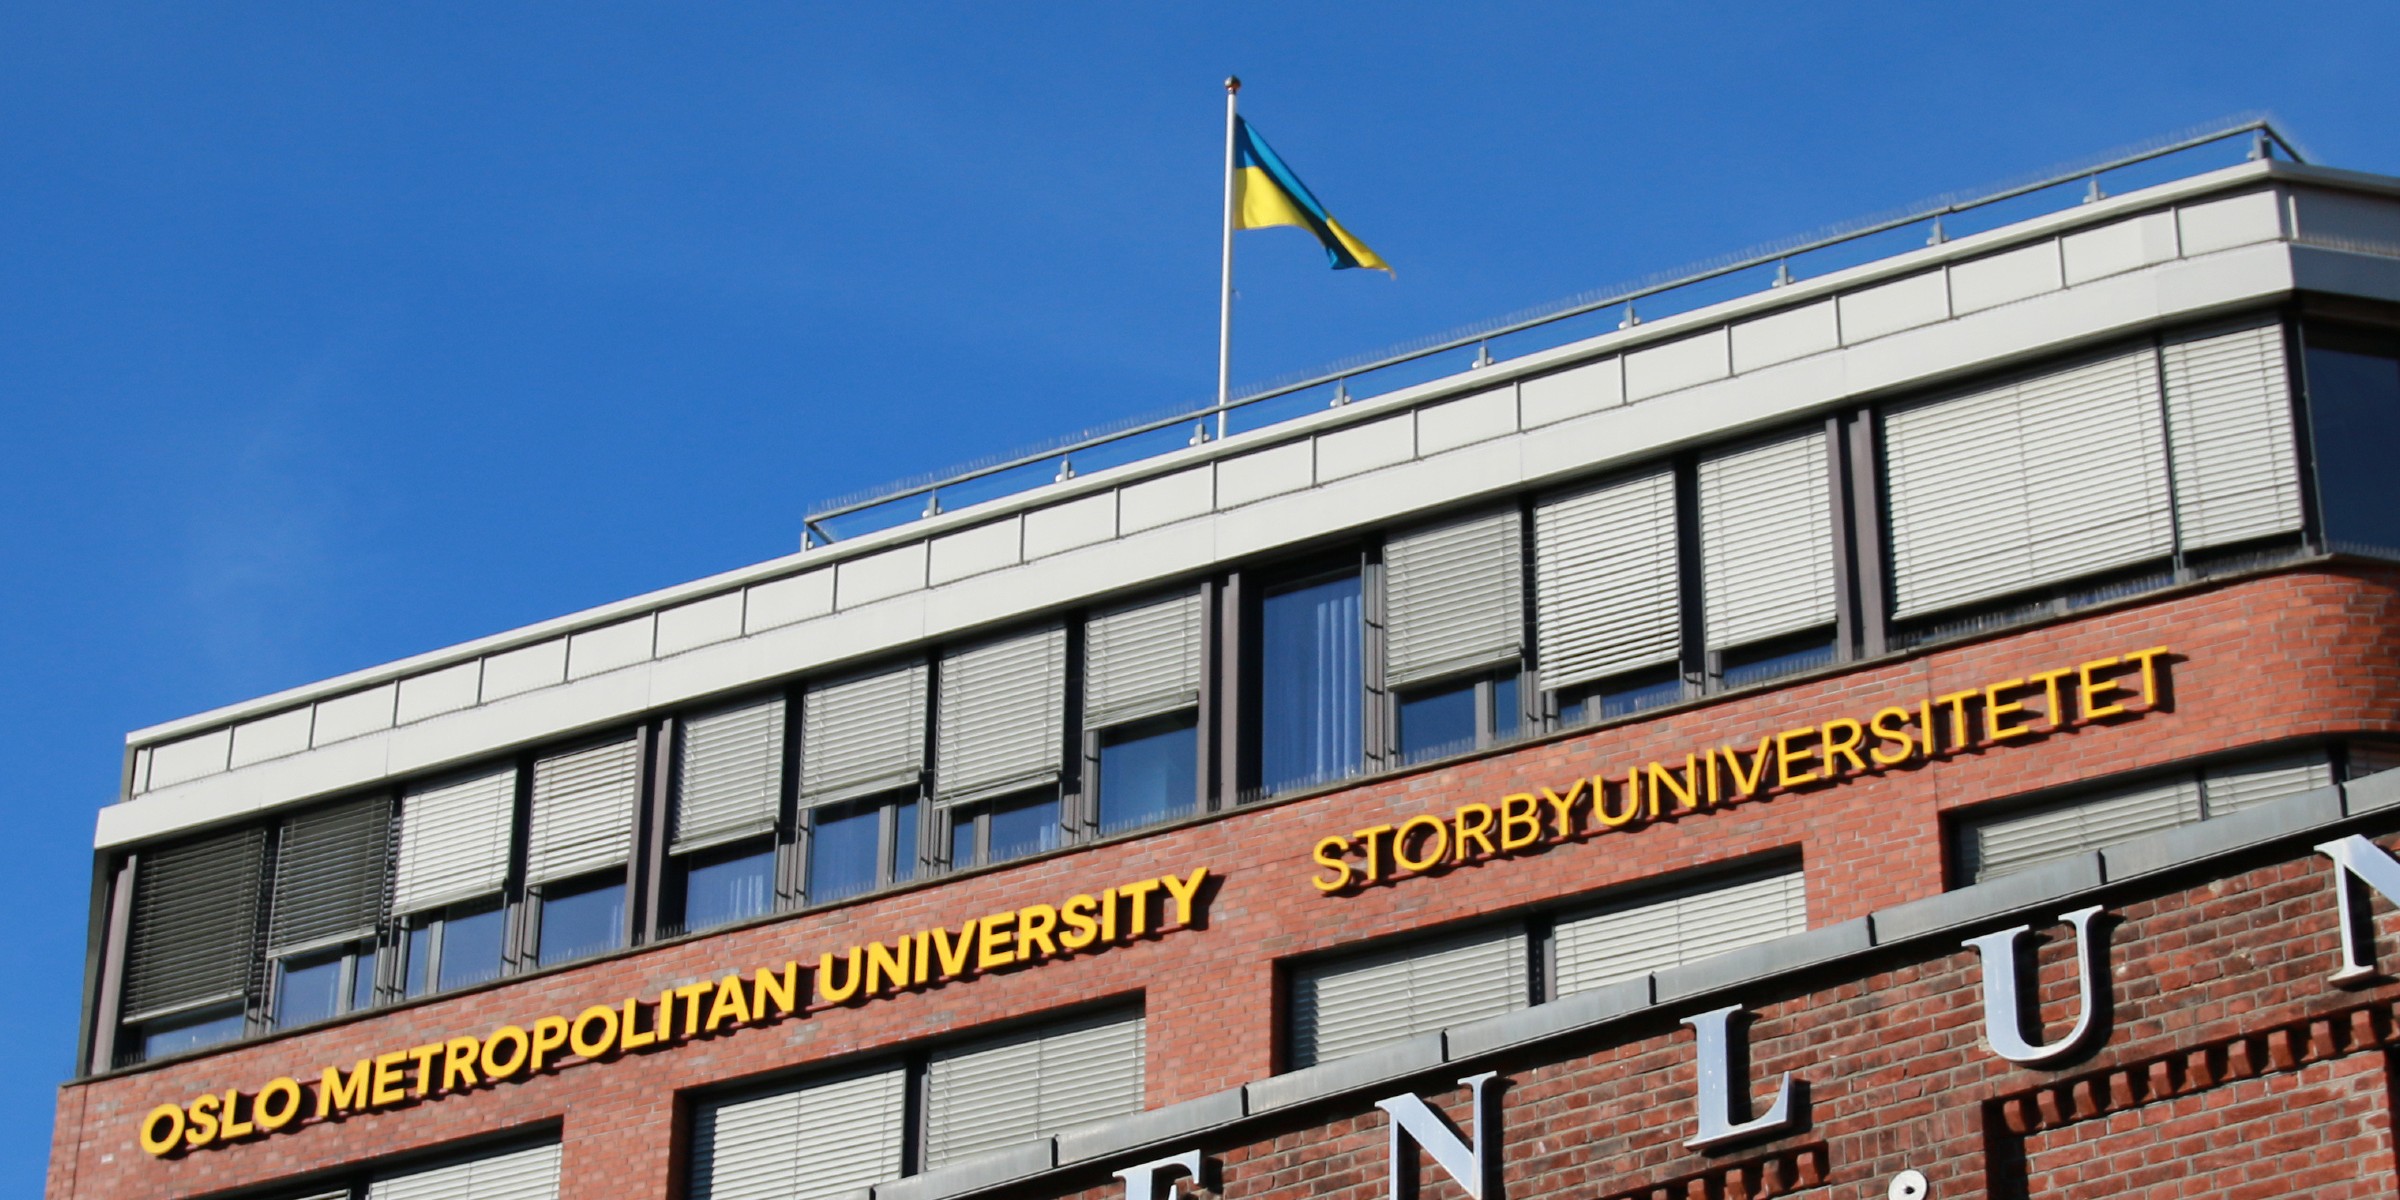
(1267, 193)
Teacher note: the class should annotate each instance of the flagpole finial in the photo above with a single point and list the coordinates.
(1233, 83)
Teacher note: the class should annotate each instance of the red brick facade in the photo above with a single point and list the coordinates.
(2229, 1055)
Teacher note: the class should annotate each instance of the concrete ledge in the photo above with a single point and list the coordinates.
(1420, 1053)
(1749, 963)
(1563, 1015)
(2372, 793)
(1100, 1139)
(1955, 910)
(974, 1174)
(2273, 821)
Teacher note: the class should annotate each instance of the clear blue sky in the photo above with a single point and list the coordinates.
(333, 334)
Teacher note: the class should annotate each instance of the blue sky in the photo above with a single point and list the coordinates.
(333, 334)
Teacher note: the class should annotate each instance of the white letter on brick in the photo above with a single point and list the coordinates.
(1414, 1121)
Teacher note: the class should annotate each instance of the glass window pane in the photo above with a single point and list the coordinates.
(362, 980)
(1309, 685)
(729, 883)
(962, 838)
(841, 853)
(1507, 714)
(1438, 722)
(578, 922)
(470, 948)
(1024, 826)
(1148, 772)
(904, 842)
(2354, 417)
(420, 957)
(308, 989)
(176, 1034)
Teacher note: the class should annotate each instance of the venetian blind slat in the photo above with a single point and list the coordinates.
(2008, 844)
(1766, 541)
(329, 875)
(1003, 713)
(195, 922)
(1605, 586)
(1652, 933)
(2234, 787)
(454, 838)
(728, 774)
(2229, 403)
(1976, 481)
(1353, 1005)
(1005, 1090)
(583, 807)
(863, 735)
(813, 1142)
(1454, 597)
(1142, 660)
(530, 1174)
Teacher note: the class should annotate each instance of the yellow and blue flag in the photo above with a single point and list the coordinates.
(1267, 193)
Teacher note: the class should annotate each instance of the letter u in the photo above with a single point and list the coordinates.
(2004, 1017)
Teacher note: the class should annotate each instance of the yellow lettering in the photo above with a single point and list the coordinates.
(994, 949)
(1961, 735)
(388, 1088)
(1562, 809)
(1372, 839)
(549, 1034)
(1632, 791)
(1186, 890)
(828, 989)
(1747, 783)
(888, 969)
(1996, 712)
(2053, 708)
(1845, 747)
(593, 1045)
(422, 1057)
(1036, 926)
(778, 992)
(952, 951)
(1926, 728)
(458, 1063)
(1108, 915)
(2149, 663)
(1784, 756)
(1137, 899)
(158, 1144)
(201, 1127)
(1081, 930)
(690, 993)
(234, 1126)
(1478, 830)
(339, 1093)
(1520, 821)
(2089, 690)
(1664, 781)
(629, 1027)
(732, 1005)
(277, 1103)
(1432, 833)
(1890, 725)
(496, 1067)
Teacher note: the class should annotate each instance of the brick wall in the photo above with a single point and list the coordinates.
(2269, 659)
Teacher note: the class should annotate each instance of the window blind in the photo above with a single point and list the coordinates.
(2008, 844)
(2229, 403)
(2237, 786)
(728, 774)
(1766, 541)
(863, 735)
(1606, 595)
(1002, 715)
(2035, 481)
(530, 1174)
(1357, 1003)
(1142, 660)
(454, 838)
(1454, 597)
(195, 923)
(817, 1141)
(1008, 1089)
(583, 807)
(330, 872)
(1651, 933)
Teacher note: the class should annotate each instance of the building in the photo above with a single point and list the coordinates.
(1911, 730)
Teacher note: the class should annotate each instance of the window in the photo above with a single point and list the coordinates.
(1001, 746)
(578, 847)
(860, 845)
(1358, 1001)
(1141, 695)
(1457, 715)
(327, 909)
(191, 943)
(2017, 838)
(2354, 423)
(1766, 558)
(836, 1133)
(447, 888)
(1608, 597)
(1310, 684)
(1454, 616)
(528, 1174)
(728, 790)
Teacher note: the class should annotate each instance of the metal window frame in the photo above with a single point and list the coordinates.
(1247, 593)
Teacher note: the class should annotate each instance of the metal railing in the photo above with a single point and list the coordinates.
(1056, 459)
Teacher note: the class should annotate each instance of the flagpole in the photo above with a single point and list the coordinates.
(1233, 85)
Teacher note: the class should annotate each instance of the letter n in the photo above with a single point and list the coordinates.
(2359, 864)
(2003, 997)
(1414, 1121)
